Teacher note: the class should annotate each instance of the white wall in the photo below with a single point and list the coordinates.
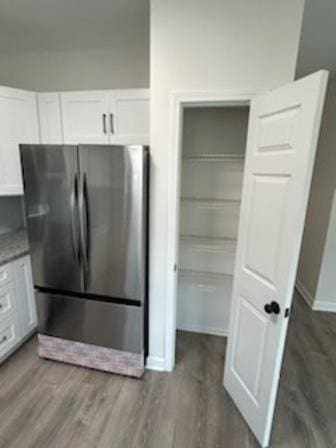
(123, 67)
(214, 130)
(218, 44)
(317, 265)
(69, 45)
(314, 244)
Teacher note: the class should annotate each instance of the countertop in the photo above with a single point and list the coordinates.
(13, 245)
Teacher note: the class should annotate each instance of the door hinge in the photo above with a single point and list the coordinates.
(287, 312)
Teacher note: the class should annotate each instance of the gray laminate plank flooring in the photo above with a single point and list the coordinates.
(45, 404)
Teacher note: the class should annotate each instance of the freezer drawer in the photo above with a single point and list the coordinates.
(91, 321)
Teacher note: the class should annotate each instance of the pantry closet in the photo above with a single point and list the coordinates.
(213, 148)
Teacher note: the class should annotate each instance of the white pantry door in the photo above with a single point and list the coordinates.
(283, 131)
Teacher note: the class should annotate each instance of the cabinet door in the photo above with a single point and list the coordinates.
(18, 124)
(25, 295)
(49, 105)
(128, 121)
(85, 117)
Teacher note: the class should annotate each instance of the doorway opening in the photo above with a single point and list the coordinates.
(209, 164)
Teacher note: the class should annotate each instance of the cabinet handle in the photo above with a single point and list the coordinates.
(4, 339)
(112, 123)
(104, 124)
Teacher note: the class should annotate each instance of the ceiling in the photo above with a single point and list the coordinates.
(65, 25)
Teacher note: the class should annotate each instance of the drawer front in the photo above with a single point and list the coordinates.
(7, 300)
(9, 335)
(94, 322)
(6, 273)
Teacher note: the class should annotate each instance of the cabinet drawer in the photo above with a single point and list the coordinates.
(7, 300)
(9, 335)
(6, 273)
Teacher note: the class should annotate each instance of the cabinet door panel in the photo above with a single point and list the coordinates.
(50, 116)
(18, 124)
(130, 116)
(85, 117)
(9, 335)
(25, 295)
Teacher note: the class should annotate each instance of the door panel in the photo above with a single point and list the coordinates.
(265, 231)
(85, 117)
(49, 177)
(18, 124)
(50, 118)
(115, 188)
(130, 109)
(283, 131)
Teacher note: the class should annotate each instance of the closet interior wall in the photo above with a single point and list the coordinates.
(213, 150)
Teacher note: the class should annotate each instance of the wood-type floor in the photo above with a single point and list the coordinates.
(45, 404)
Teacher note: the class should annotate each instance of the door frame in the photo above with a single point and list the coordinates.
(179, 100)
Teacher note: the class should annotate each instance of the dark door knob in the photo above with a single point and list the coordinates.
(272, 307)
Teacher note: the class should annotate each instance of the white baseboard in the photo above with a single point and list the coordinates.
(321, 305)
(155, 363)
(315, 305)
(304, 293)
(204, 330)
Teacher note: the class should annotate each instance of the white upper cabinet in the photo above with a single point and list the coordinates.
(49, 107)
(85, 116)
(129, 116)
(110, 116)
(18, 124)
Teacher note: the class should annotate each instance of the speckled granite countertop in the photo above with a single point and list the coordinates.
(13, 245)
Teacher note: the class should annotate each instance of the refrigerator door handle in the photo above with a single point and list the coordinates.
(74, 218)
(84, 222)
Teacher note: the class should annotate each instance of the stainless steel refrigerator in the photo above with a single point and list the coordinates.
(86, 209)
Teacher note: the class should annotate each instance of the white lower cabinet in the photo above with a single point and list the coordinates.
(9, 335)
(18, 317)
(7, 300)
(25, 295)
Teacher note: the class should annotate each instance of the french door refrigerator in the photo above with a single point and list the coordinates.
(86, 209)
